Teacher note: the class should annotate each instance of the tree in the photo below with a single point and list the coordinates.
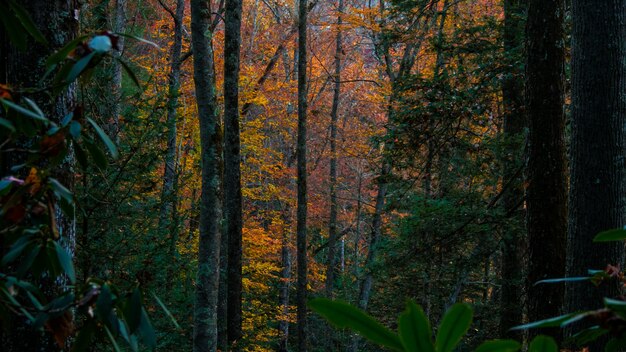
(598, 144)
(546, 188)
(332, 221)
(232, 172)
(301, 229)
(514, 123)
(23, 69)
(205, 311)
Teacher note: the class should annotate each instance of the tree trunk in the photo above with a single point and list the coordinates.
(58, 20)
(169, 176)
(116, 82)
(283, 324)
(546, 174)
(513, 102)
(232, 172)
(301, 231)
(205, 312)
(377, 223)
(598, 145)
(332, 223)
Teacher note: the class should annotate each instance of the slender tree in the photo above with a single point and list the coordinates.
(546, 175)
(332, 222)
(514, 123)
(301, 230)
(205, 311)
(598, 144)
(169, 177)
(232, 172)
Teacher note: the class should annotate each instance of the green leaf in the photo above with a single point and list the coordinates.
(546, 323)
(611, 235)
(79, 67)
(66, 262)
(454, 325)
(147, 331)
(62, 54)
(75, 129)
(499, 346)
(105, 139)
(563, 279)
(130, 72)
(104, 304)
(99, 158)
(167, 312)
(27, 22)
(138, 38)
(6, 124)
(12, 26)
(414, 329)
(60, 190)
(22, 110)
(16, 249)
(100, 44)
(132, 311)
(83, 340)
(343, 315)
(543, 343)
(586, 336)
(116, 347)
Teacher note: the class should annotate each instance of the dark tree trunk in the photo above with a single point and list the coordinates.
(598, 145)
(301, 231)
(207, 282)
(514, 122)
(58, 20)
(332, 222)
(116, 82)
(232, 172)
(546, 175)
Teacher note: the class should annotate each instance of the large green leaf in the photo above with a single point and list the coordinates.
(343, 315)
(499, 346)
(23, 111)
(564, 279)
(546, 323)
(66, 262)
(543, 343)
(27, 22)
(454, 325)
(611, 235)
(79, 67)
(105, 139)
(414, 329)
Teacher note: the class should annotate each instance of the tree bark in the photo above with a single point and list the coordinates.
(301, 230)
(514, 122)
(232, 171)
(598, 145)
(205, 312)
(116, 82)
(58, 21)
(332, 222)
(546, 174)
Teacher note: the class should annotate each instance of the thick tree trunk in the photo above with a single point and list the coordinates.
(598, 145)
(546, 174)
(332, 222)
(58, 20)
(232, 171)
(513, 101)
(205, 313)
(301, 231)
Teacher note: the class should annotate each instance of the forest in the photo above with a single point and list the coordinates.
(312, 175)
